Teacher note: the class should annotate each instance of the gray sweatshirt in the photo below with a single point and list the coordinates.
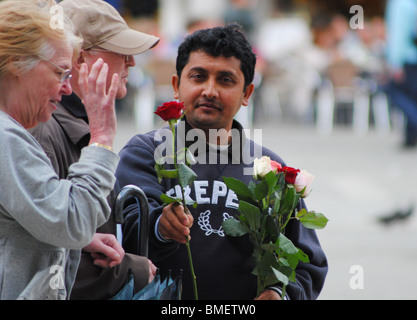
(44, 221)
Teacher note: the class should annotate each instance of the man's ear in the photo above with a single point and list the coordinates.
(80, 60)
(176, 86)
(247, 94)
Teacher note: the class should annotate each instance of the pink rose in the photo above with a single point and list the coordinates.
(303, 180)
(275, 166)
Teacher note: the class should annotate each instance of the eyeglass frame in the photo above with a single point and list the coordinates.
(65, 73)
(127, 57)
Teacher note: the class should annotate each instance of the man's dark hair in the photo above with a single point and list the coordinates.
(228, 41)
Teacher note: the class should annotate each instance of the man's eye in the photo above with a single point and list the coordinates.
(227, 80)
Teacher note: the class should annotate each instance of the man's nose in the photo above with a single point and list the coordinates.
(210, 89)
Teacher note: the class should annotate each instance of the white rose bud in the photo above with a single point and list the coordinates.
(303, 180)
(261, 167)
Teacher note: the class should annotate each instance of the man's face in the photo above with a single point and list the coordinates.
(117, 63)
(212, 89)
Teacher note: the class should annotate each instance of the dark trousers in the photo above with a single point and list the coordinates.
(404, 96)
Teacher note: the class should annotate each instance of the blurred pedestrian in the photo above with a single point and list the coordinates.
(401, 55)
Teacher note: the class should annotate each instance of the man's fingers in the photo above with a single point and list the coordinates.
(173, 231)
(186, 219)
(173, 225)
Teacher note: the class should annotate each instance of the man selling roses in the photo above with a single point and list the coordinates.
(215, 70)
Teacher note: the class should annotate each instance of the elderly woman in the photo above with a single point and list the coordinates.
(44, 221)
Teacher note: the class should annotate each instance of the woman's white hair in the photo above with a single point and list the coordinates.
(27, 36)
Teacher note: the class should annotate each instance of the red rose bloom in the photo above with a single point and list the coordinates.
(290, 174)
(170, 110)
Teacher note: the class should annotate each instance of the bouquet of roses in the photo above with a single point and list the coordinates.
(182, 159)
(265, 210)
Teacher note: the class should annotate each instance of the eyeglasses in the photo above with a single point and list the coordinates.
(65, 74)
(126, 57)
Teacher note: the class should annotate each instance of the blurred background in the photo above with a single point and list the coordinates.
(321, 104)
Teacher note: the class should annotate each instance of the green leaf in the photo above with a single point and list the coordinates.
(234, 228)
(302, 256)
(301, 213)
(192, 203)
(270, 229)
(271, 179)
(294, 259)
(172, 174)
(312, 219)
(242, 190)
(186, 175)
(289, 200)
(167, 199)
(286, 245)
(280, 276)
(252, 185)
(251, 213)
(281, 181)
(276, 200)
(261, 190)
(264, 263)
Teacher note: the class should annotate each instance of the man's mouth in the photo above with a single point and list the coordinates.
(208, 105)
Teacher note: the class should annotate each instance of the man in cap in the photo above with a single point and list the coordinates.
(105, 36)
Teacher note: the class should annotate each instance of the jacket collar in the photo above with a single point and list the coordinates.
(74, 105)
(72, 117)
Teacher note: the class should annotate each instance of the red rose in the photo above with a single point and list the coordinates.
(170, 110)
(290, 174)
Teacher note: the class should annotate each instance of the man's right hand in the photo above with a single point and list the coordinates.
(174, 223)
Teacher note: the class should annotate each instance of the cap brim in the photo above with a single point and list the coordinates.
(130, 42)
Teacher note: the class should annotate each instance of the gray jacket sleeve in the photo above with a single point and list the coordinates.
(63, 213)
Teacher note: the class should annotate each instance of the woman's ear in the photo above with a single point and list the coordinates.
(14, 67)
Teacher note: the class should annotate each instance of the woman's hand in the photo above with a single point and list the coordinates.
(99, 104)
(105, 250)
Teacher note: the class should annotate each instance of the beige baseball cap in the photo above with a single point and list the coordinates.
(100, 24)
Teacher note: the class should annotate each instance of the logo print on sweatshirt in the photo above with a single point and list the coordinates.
(204, 223)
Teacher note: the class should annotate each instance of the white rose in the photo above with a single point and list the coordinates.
(261, 166)
(303, 180)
